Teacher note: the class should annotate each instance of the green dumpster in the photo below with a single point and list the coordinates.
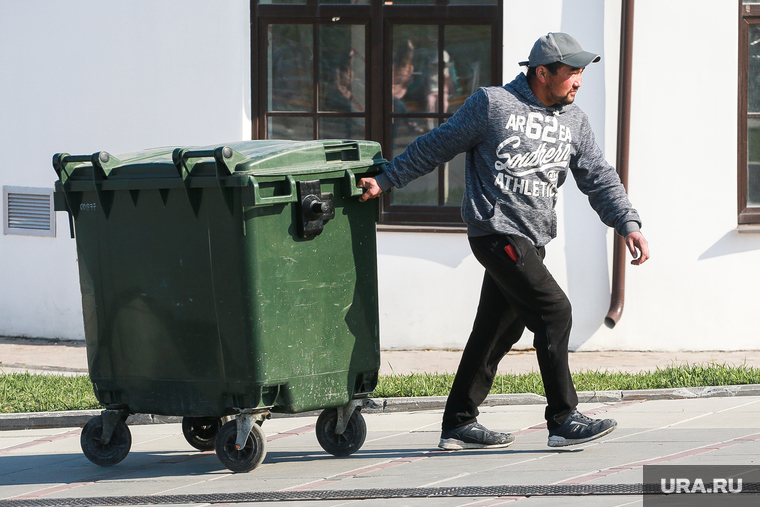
(224, 283)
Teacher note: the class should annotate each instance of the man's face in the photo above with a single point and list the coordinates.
(562, 86)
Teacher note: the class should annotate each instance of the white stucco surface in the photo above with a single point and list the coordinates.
(85, 76)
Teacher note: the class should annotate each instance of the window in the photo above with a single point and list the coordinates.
(316, 78)
(749, 114)
(28, 211)
(383, 70)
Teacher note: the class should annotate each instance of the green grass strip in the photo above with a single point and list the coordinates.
(428, 384)
(25, 392)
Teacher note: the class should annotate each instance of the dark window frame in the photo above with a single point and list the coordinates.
(748, 15)
(378, 19)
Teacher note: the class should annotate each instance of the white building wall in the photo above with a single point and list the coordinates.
(85, 76)
(698, 290)
(90, 75)
(578, 258)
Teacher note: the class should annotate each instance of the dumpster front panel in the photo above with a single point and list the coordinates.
(315, 312)
(163, 300)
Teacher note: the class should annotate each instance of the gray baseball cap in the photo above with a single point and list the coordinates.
(559, 47)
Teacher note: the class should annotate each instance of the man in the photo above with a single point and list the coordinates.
(520, 140)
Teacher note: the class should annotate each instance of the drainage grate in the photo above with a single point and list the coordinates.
(359, 494)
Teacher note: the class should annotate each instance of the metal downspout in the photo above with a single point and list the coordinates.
(617, 298)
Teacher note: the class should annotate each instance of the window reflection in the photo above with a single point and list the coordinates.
(342, 128)
(290, 62)
(415, 48)
(469, 63)
(753, 162)
(432, 77)
(294, 128)
(753, 85)
(341, 68)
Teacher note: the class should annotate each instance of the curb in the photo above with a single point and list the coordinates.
(78, 418)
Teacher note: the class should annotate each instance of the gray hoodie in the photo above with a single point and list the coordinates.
(518, 155)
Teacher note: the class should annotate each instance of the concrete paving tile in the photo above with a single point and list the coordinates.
(403, 421)
(66, 444)
(742, 448)
(13, 490)
(389, 502)
(720, 421)
(241, 483)
(677, 408)
(161, 461)
(32, 433)
(58, 468)
(671, 434)
(6, 443)
(630, 476)
(584, 501)
(714, 459)
(508, 477)
(401, 481)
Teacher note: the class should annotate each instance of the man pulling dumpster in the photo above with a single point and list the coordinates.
(521, 139)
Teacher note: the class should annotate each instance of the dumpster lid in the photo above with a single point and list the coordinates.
(264, 157)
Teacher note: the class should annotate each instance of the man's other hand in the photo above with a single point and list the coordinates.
(371, 188)
(638, 247)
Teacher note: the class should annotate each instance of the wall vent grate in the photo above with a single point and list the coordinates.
(28, 211)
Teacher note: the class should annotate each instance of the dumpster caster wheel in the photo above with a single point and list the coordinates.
(345, 444)
(245, 459)
(200, 432)
(113, 452)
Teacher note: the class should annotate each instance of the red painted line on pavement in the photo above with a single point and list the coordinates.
(44, 440)
(116, 473)
(49, 491)
(664, 459)
(310, 485)
(499, 500)
(373, 468)
(428, 454)
(292, 433)
(357, 472)
(65, 487)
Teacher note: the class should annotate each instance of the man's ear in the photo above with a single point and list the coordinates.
(541, 73)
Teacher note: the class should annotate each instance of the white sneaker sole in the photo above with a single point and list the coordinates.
(452, 444)
(557, 441)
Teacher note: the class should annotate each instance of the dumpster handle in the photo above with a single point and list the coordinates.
(102, 163)
(258, 200)
(351, 189)
(225, 157)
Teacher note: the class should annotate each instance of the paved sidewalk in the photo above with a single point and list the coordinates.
(70, 357)
(398, 464)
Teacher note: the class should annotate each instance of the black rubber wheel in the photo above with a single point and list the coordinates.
(341, 445)
(111, 453)
(245, 459)
(200, 432)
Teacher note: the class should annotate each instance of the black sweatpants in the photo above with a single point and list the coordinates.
(515, 294)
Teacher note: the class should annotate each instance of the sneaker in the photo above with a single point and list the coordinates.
(473, 436)
(579, 428)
